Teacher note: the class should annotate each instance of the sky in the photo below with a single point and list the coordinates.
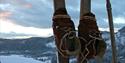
(33, 18)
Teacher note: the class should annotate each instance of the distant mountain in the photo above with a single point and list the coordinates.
(34, 43)
(120, 45)
(122, 30)
(38, 48)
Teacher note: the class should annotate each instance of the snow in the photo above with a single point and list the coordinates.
(123, 40)
(51, 44)
(19, 59)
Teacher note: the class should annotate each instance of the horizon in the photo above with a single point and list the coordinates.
(51, 34)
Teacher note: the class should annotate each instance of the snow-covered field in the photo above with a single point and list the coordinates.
(19, 59)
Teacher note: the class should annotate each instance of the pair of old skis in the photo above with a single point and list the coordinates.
(65, 35)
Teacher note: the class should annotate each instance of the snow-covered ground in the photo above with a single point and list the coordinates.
(19, 59)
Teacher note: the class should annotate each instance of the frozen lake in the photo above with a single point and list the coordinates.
(19, 59)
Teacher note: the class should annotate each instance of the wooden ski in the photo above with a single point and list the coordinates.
(60, 4)
(86, 16)
(85, 7)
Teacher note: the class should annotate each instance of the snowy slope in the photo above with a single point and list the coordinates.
(120, 46)
(20, 59)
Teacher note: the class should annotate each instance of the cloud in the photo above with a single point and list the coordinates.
(3, 6)
(5, 14)
(107, 29)
(38, 13)
(117, 20)
(13, 35)
(99, 9)
(6, 26)
(28, 5)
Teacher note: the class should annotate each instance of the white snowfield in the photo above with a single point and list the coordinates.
(19, 59)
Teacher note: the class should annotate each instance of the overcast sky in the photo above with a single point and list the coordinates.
(25, 18)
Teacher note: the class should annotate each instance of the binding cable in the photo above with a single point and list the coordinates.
(69, 35)
(93, 40)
